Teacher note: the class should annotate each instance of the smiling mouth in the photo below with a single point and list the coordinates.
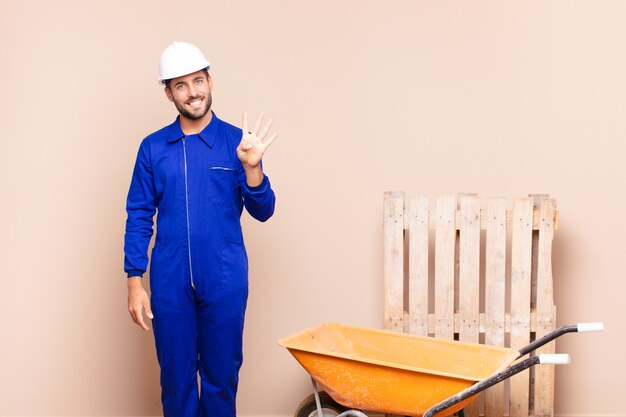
(195, 102)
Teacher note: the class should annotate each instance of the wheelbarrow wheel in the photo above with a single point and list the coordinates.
(308, 407)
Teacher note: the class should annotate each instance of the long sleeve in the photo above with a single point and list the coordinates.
(259, 201)
(141, 208)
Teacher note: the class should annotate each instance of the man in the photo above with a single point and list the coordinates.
(198, 173)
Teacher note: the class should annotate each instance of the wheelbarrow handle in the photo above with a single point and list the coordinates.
(572, 328)
(556, 359)
(590, 327)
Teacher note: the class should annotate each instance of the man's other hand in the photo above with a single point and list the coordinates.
(138, 301)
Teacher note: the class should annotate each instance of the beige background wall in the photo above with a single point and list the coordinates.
(494, 97)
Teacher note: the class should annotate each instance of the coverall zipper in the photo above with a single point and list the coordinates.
(187, 212)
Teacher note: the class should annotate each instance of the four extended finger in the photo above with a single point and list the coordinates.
(257, 125)
(244, 123)
(269, 141)
(266, 129)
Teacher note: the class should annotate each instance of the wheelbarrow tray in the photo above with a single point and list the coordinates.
(391, 372)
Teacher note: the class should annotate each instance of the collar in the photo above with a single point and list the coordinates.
(208, 134)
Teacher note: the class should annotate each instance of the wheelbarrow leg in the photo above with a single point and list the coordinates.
(320, 412)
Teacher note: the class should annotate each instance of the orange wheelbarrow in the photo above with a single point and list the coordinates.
(397, 373)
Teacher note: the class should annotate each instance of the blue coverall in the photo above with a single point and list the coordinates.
(199, 266)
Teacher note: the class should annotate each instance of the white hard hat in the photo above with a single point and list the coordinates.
(181, 58)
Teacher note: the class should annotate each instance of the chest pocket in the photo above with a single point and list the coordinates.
(223, 185)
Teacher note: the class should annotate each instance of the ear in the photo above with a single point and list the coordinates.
(210, 81)
(168, 93)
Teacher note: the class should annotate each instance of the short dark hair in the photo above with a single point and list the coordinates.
(167, 82)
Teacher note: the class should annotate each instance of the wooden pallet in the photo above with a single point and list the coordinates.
(473, 270)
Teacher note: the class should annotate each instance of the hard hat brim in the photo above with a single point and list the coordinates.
(172, 76)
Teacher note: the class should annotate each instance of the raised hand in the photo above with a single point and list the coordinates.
(254, 144)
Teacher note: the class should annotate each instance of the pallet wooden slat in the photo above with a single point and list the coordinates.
(418, 265)
(495, 275)
(483, 323)
(544, 375)
(469, 276)
(521, 257)
(469, 273)
(394, 253)
(445, 235)
(483, 221)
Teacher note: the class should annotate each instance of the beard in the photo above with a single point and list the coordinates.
(198, 113)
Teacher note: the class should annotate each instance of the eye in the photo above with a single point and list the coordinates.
(179, 87)
(199, 80)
